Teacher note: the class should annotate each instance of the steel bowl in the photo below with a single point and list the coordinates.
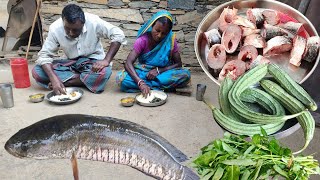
(299, 74)
(35, 98)
(127, 101)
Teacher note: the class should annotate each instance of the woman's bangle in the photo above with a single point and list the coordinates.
(158, 70)
(140, 81)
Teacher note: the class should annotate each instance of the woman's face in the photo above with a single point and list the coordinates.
(159, 31)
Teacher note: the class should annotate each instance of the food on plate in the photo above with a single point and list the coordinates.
(277, 45)
(153, 97)
(217, 56)
(231, 38)
(299, 45)
(73, 93)
(66, 97)
(312, 48)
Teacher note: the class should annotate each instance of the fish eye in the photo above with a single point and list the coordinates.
(24, 146)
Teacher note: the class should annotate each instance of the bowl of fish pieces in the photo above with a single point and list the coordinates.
(239, 35)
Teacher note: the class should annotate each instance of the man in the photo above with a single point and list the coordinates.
(78, 35)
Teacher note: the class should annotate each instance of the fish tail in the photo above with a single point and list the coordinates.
(190, 175)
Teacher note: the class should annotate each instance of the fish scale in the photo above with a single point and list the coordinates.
(101, 139)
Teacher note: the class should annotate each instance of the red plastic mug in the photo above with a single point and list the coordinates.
(20, 72)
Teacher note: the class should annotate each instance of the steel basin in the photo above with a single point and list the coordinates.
(299, 74)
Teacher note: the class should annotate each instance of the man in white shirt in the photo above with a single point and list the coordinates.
(78, 35)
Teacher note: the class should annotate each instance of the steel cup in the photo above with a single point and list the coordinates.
(201, 89)
(6, 95)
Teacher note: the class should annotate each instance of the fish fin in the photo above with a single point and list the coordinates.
(75, 167)
(165, 144)
(189, 174)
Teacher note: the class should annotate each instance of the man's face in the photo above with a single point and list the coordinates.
(73, 30)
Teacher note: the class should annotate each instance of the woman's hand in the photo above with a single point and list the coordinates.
(99, 65)
(145, 89)
(152, 74)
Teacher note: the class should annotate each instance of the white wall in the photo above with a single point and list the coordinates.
(3, 13)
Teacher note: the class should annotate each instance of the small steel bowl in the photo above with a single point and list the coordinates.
(35, 98)
(127, 102)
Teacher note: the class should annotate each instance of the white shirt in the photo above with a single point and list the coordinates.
(88, 44)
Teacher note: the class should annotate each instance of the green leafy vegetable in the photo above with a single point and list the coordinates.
(234, 158)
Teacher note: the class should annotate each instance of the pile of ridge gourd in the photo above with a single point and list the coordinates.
(277, 95)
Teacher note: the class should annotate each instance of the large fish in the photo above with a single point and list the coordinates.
(101, 139)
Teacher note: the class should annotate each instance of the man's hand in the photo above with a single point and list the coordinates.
(152, 74)
(58, 87)
(99, 65)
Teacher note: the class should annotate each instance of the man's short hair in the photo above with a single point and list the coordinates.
(71, 13)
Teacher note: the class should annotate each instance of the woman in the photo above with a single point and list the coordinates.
(159, 65)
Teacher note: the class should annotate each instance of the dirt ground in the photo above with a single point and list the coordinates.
(183, 121)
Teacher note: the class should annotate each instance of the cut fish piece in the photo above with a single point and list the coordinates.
(312, 48)
(226, 18)
(241, 21)
(231, 38)
(292, 27)
(271, 16)
(213, 37)
(255, 40)
(247, 53)
(255, 16)
(217, 57)
(248, 31)
(234, 68)
(299, 45)
(277, 45)
(270, 31)
(259, 60)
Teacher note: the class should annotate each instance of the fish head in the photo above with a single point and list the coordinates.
(42, 140)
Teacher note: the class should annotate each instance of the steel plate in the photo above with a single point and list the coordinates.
(69, 90)
(164, 100)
